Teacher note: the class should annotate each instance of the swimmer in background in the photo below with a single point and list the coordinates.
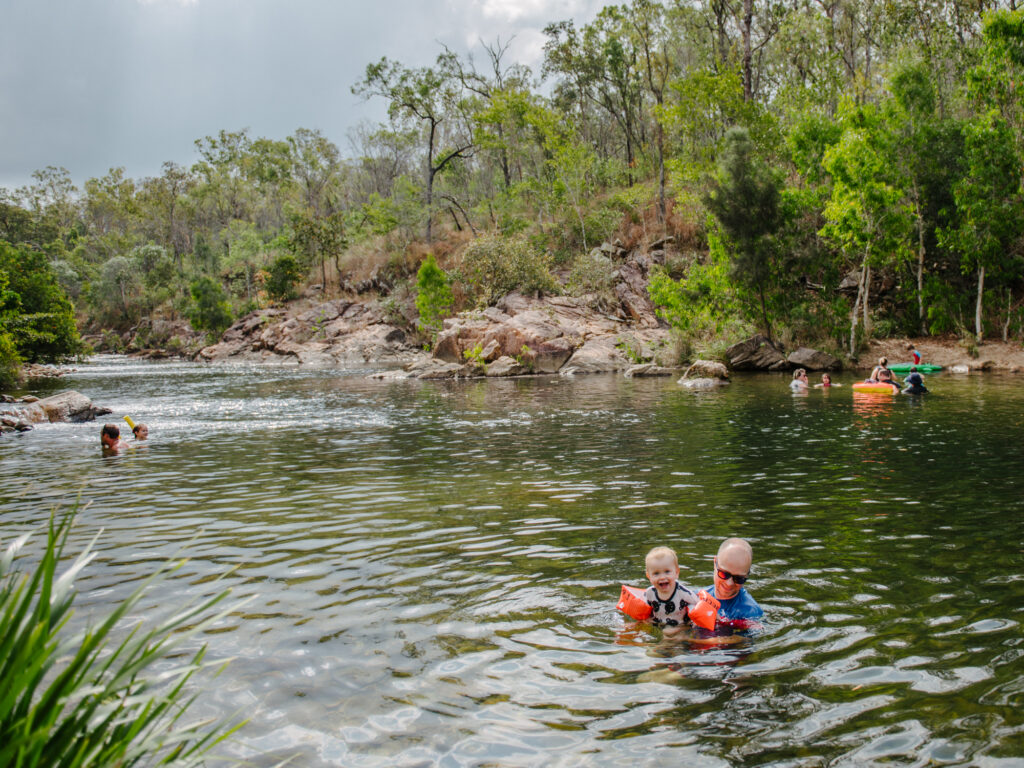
(876, 372)
(826, 382)
(141, 432)
(914, 383)
(881, 373)
(110, 439)
(669, 600)
(799, 382)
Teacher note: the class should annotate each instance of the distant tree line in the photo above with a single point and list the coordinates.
(831, 169)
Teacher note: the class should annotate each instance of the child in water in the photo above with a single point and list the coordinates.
(826, 382)
(914, 383)
(669, 600)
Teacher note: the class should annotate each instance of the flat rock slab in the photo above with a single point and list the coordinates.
(70, 406)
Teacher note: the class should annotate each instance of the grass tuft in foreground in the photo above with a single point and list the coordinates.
(82, 699)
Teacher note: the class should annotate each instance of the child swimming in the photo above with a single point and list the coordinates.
(826, 382)
(669, 600)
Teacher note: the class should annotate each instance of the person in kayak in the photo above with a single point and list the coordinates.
(914, 383)
(731, 571)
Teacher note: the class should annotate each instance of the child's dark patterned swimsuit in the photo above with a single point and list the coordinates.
(671, 612)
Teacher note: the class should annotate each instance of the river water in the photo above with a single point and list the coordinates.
(433, 567)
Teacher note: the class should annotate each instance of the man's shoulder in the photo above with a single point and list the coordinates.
(743, 606)
(746, 604)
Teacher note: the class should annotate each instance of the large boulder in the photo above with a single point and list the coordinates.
(506, 366)
(813, 360)
(67, 406)
(757, 353)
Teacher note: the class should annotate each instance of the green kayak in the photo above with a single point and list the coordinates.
(921, 367)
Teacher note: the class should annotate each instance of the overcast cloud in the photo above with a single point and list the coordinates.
(94, 84)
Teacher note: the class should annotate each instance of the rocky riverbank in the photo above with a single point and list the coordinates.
(519, 335)
(997, 356)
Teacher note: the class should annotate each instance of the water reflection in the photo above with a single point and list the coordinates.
(436, 564)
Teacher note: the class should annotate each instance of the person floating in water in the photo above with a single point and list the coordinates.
(141, 431)
(731, 571)
(110, 439)
(914, 383)
(881, 373)
(826, 382)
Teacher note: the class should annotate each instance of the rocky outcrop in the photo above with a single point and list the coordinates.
(548, 335)
(813, 360)
(757, 353)
(339, 332)
(67, 406)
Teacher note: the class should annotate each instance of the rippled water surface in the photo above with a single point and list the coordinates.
(434, 566)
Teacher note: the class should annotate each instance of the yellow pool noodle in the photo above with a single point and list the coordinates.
(130, 422)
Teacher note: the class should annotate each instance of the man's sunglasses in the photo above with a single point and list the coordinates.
(725, 575)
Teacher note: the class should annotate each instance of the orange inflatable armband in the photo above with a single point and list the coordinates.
(632, 603)
(705, 612)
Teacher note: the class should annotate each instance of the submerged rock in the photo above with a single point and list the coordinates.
(703, 383)
(645, 370)
(813, 360)
(710, 369)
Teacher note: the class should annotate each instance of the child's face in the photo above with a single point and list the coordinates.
(663, 572)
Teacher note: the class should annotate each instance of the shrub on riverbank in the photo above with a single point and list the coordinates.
(84, 699)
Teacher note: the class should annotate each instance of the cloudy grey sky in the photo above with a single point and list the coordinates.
(94, 84)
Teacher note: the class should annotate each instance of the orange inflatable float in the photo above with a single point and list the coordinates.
(703, 614)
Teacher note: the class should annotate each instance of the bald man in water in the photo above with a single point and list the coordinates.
(732, 567)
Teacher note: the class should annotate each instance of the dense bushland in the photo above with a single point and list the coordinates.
(828, 172)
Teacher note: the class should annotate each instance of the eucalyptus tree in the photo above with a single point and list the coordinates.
(163, 210)
(866, 216)
(382, 156)
(497, 127)
(223, 192)
(988, 203)
(925, 159)
(111, 211)
(657, 42)
(603, 63)
(52, 200)
(427, 95)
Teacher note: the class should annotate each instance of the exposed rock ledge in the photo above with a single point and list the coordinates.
(521, 335)
(67, 406)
